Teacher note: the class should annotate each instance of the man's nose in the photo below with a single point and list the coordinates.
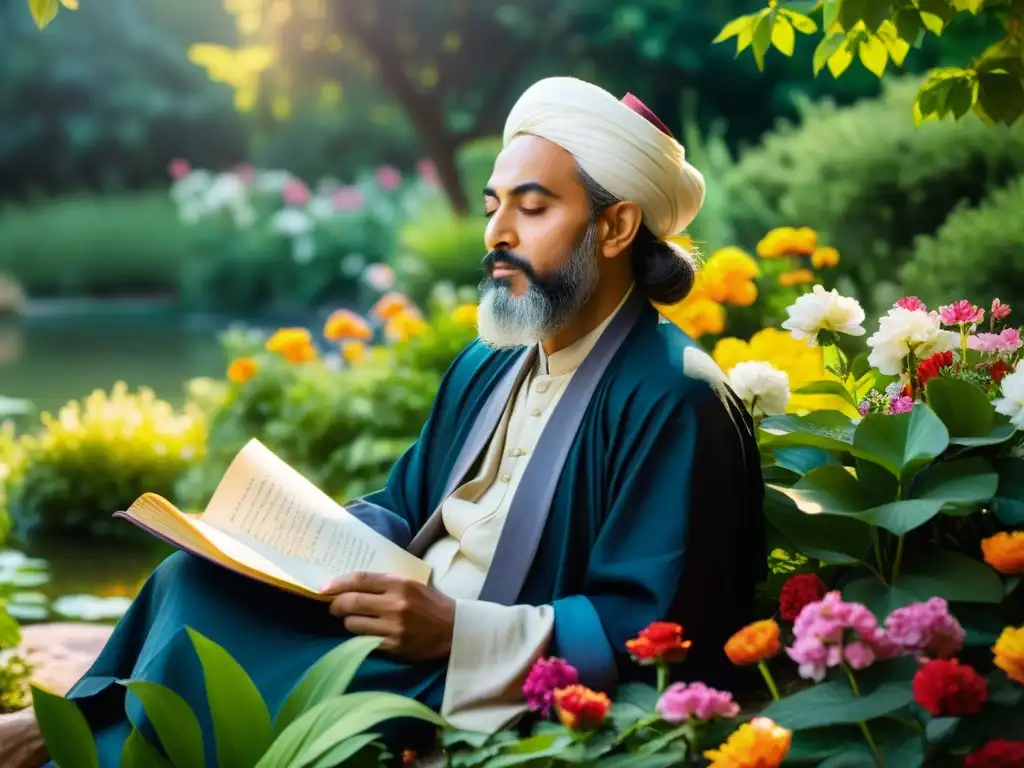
(500, 235)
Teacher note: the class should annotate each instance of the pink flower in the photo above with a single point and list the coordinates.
(902, 404)
(911, 303)
(380, 277)
(178, 168)
(545, 677)
(388, 177)
(864, 408)
(1011, 339)
(295, 193)
(999, 310)
(1007, 340)
(926, 628)
(961, 313)
(427, 171)
(830, 631)
(681, 701)
(245, 172)
(348, 199)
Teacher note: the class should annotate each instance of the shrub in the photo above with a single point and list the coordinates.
(868, 180)
(978, 252)
(96, 456)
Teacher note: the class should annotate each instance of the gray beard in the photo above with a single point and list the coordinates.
(505, 320)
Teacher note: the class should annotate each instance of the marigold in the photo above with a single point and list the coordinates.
(346, 324)
(405, 326)
(695, 315)
(788, 241)
(1005, 552)
(728, 278)
(293, 344)
(947, 688)
(757, 744)
(465, 314)
(754, 643)
(1009, 653)
(796, 277)
(662, 640)
(580, 708)
(389, 305)
(353, 351)
(825, 258)
(242, 370)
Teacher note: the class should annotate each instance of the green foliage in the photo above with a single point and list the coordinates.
(976, 253)
(880, 31)
(889, 183)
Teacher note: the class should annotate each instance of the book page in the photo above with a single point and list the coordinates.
(272, 509)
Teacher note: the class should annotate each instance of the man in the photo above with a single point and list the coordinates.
(585, 470)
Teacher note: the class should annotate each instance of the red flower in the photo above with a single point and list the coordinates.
(947, 688)
(997, 370)
(797, 592)
(662, 640)
(998, 753)
(580, 708)
(930, 367)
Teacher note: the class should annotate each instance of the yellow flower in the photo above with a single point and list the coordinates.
(1005, 552)
(1009, 653)
(71, 5)
(796, 277)
(346, 324)
(683, 241)
(788, 241)
(293, 344)
(757, 744)
(728, 278)
(242, 370)
(405, 325)
(465, 314)
(825, 258)
(695, 315)
(353, 351)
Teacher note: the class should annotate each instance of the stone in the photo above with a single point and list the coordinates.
(60, 653)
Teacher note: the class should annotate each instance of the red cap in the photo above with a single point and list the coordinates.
(644, 111)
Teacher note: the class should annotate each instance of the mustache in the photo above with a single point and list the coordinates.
(508, 259)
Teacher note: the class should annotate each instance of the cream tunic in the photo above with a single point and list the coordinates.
(494, 645)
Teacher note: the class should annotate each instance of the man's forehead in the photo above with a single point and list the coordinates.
(531, 158)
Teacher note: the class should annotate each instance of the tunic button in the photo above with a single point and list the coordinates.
(518, 452)
(506, 478)
(542, 387)
(535, 412)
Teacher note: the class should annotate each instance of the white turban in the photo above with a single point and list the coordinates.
(620, 149)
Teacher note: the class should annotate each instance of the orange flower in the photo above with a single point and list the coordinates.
(695, 316)
(465, 314)
(825, 258)
(796, 277)
(1009, 653)
(1005, 552)
(353, 351)
(580, 708)
(345, 324)
(405, 325)
(663, 641)
(757, 744)
(389, 305)
(293, 344)
(788, 241)
(242, 370)
(754, 643)
(409, 758)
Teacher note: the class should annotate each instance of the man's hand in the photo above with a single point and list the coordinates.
(415, 620)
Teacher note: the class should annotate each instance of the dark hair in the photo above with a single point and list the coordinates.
(663, 272)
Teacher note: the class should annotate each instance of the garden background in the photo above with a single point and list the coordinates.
(181, 180)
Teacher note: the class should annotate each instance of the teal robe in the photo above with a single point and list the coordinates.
(647, 506)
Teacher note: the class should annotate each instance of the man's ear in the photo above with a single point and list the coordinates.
(621, 223)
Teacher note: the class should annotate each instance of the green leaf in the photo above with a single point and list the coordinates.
(875, 12)
(826, 387)
(801, 23)
(344, 750)
(830, 430)
(961, 98)
(783, 36)
(139, 753)
(173, 720)
(1001, 95)
(877, 483)
(763, 37)
(952, 576)
(963, 406)
(43, 11)
(902, 442)
(873, 55)
(851, 12)
(1009, 501)
(826, 48)
(829, 490)
(833, 703)
(801, 459)
(735, 27)
(329, 677)
(974, 6)
(829, 14)
(940, 11)
(241, 722)
(964, 481)
(65, 731)
(908, 24)
(855, 756)
(831, 539)
(879, 598)
(901, 517)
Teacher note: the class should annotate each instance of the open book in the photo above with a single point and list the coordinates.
(266, 521)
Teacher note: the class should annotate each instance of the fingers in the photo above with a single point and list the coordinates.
(367, 625)
(360, 604)
(360, 582)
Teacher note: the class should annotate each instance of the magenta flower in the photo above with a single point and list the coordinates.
(178, 168)
(902, 404)
(864, 408)
(295, 193)
(545, 677)
(911, 303)
(388, 177)
(926, 628)
(348, 199)
(1007, 340)
(999, 310)
(427, 171)
(961, 313)
(681, 701)
(829, 632)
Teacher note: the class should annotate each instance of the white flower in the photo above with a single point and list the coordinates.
(903, 331)
(291, 222)
(226, 191)
(823, 310)
(764, 389)
(1012, 402)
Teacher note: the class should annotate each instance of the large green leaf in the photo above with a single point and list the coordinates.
(173, 720)
(833, 703)
(830, 430)
(344, 750)
(876, 482)
(830, 489)
(902, 442)
(881, 599)
(139, 753)
(832, 539)
(329, 677)
(963, 407)
(241, 722)
(900, 517)
(1009, 501)
(952, 576)
(968, 482)
(65, 731)
(826, 387)
(801, 459)
(43, 11)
